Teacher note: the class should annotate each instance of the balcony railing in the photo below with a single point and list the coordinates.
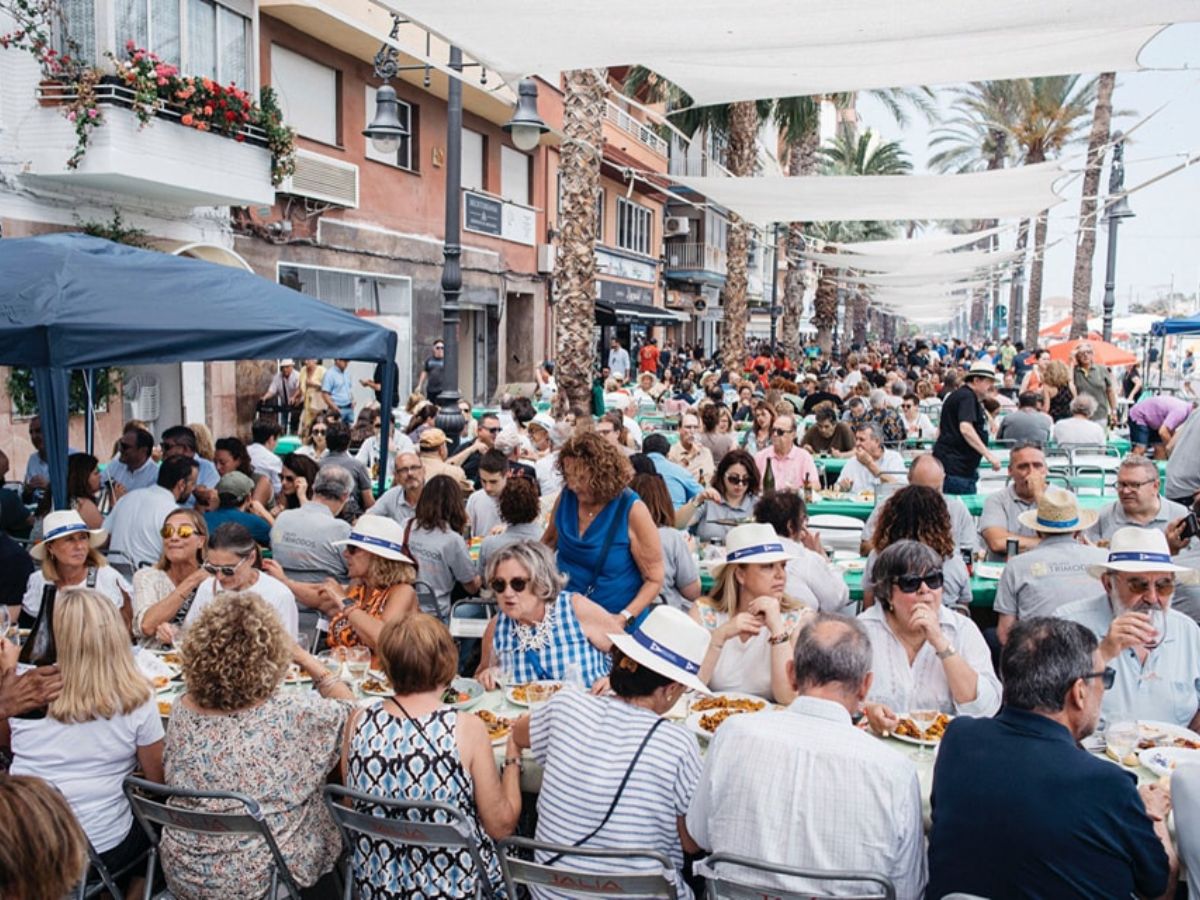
(695, 257)
(639, 130)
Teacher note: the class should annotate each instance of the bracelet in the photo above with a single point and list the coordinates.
(782, 638)
(512, 762)
(325, 682)
(946, 654)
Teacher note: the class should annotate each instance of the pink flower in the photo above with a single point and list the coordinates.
(130, 45)
(92, 113)
(162, 82)
(71, 116)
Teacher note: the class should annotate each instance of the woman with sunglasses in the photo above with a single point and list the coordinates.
(163, 593)
(542, 632)
(924, 655)
(234, 563)
(315, 447)
(728, 502)
(296, 482)
(917, 426)
(759, 436)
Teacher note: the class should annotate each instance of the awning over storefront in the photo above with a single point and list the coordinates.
(616, 313)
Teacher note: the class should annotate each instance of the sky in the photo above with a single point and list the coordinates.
(1162, 243)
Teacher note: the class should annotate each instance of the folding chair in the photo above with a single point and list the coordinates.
(151, 807)
(564, 879)
(426, 598)
(108, 880)
(726, 887)
(464, 625)
(452, 835)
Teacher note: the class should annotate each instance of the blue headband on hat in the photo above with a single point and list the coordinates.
(751, 551)
(63, 529)
(1139, 556)
(665, 654)
(377, 542)
(1050, 523)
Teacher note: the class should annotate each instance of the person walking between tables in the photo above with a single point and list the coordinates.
(337, 390)
(433, 372)
(962, 431)
(1094, 380)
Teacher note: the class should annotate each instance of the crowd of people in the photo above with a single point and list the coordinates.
(585, 530)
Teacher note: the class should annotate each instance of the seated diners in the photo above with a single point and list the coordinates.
(812, 578)
(231, 455)
(651, 669)
(1080, 428)
(752, 619)
(727, 502)
(872, 464)
(69, 559)
(681, 572)
(413, 747)
(927, 471)
(1071, 825)
(163, 593)
(1154, 649)
(234, 730)
(102, 726)
(804, 788)
(920, 514)
(924, 656)
(296, 483)
(541, 631)
(1138, 503)
(435, 539)
(1000, 520)
(520, 507)
(1053, 573)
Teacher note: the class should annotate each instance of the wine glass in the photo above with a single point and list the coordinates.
(5, 623)
(1122, 739)
(924, 718)
(1158, 621)
(358, 661)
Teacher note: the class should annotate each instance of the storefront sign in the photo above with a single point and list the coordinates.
(620, 266)
(484, 214)
(615, 292)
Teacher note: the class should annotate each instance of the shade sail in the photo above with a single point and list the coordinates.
(1001, 194)
(719, 50)
(939, 264)
(888, 280)
(935, 243)
(71, 301)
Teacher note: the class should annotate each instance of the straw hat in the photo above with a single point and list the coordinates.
(754, 542)
(980, 370)
(432, 438)
(1134, 549)
(59, 524)
(668, 642)
(1058, 512)
(380, 535)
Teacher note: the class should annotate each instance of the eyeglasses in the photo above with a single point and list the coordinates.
(738, 479)
(1108, 677)
(499, 585)
(184, 531)
(318, 431)
(438, 347)
(491, 429)
(910, 584)
(780, 432)
(402, 469)
(224, 571)
(1164, 587)
(1134, 485)
(906, 405)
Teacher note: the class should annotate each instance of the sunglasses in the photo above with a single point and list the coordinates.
(780, 432)
(910, 584)
(224, 571)
(1108, 677)
(1164, 587)
(184, 531)
(738, 479)
(318, 431)
(499, 585)
(490, 429)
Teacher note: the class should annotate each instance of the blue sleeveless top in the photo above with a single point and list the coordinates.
(618, 578)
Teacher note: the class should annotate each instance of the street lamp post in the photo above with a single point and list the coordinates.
(774, 276)
(1118, 209)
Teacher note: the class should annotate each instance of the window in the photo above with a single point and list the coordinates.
(633, 226)
(403, 158)
(516, 173)
(473, 157)
(308, 94)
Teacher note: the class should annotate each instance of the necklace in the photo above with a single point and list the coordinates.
(536, 636)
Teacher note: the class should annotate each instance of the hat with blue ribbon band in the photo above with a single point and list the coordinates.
(379, 535)
(61, 523)
(669, 642)
(754, 543)
(1134, 549)
(1058, 512)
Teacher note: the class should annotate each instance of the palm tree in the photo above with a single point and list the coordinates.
(575, 268)
(1085, 248)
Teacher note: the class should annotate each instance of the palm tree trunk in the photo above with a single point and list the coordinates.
(1033, 309)
(575, 269)
(1014, 297)
(825, 306)
(978, 312)
(1085, 248)
(802, 160)
(743, 128)
(860, 311)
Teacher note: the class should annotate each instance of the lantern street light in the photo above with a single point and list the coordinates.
(526, 126)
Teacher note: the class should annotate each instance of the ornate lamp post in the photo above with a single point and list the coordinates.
(1117, 210)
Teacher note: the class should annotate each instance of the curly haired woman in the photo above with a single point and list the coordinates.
(919, 514)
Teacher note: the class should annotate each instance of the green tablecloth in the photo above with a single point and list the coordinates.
(973, 502)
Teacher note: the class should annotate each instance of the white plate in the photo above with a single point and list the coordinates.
(904, 738)
(296, 675)
(370, 692)
(503, 739)
(1149, 729)
(469, 686)
(990, 571)
(852, 565)
(728, 695)
(692, 722)
(1163, 760)
(161, 688)
(508, 691)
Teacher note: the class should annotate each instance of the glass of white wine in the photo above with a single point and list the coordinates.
(924, 718)
(358, 661)
(1121, 739)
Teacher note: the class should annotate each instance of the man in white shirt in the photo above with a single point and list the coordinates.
(871, 464)
(263, 458)
(1080, 428)
(618, 361)
(133, 468)
(804, 788)
(136, 521)
(483, 512)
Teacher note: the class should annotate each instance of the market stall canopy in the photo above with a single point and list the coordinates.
(719, 51)
(1185, 325)
(935, 264)
(1105, 354)
(936, 243)
(999, 194)
(76, 302)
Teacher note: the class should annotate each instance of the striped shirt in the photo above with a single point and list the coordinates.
(581, 778)
(564, 647)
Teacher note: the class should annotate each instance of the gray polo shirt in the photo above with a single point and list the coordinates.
(442, 560)
(680, 567)
(393, 504)
(1187, 594)
(513, 534)
(962, 523)
(1113, 517)
(1183, 468)
(1039, 581)
(1000, 510)
(1026, 425)
(302, 543)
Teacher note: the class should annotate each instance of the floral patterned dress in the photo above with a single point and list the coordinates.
(278, 753)
(408, 759)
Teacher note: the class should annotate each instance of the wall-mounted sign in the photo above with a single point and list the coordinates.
(619, 265)
(484, 214)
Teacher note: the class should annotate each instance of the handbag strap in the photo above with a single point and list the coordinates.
(408, 526)
(616, 798)
(609, 537)
(457, 770)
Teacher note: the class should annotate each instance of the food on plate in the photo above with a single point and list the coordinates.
(497, 727)
(452, 695)
(295, 675)
(520, 692)
(710, 721)
(172, 658)
(908, 728)
(160, 681)
(1185, 743)
(164, 707)
(733, 704)
(376, 686)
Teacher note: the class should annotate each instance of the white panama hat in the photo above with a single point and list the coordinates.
(669, 642)
(980, 370)
(379, 535)
(1134, 549)
(754, 542)
(59, 524)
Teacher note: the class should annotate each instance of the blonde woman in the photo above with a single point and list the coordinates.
(1056, 388)
(103, 725)
(42, 850)
(206, 447)
(163, 593)
(753, 623)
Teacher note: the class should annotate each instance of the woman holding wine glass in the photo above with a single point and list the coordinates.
(925, 656)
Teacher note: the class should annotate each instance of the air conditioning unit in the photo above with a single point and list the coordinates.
(545, 259)
(323, 178)
(677, 225)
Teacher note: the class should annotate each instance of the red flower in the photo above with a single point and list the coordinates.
(230, 116)
(239, 137)
(208, 110)
(187, 119)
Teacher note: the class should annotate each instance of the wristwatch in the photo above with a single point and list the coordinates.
(629, 618)
(946, 654)
(347, 604)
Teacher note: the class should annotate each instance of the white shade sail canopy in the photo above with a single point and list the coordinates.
(1000, 194)
(936, 243)
(941, 264)
(971, 279)
(719, 51)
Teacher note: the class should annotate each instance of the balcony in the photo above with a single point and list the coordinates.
(695, 262)
(165, 162)
(628, 124)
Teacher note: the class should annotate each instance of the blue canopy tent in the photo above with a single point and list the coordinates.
(1163, 329)
(69, 301)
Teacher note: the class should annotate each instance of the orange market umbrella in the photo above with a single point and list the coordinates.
(1106, 354)
(1058, 329)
